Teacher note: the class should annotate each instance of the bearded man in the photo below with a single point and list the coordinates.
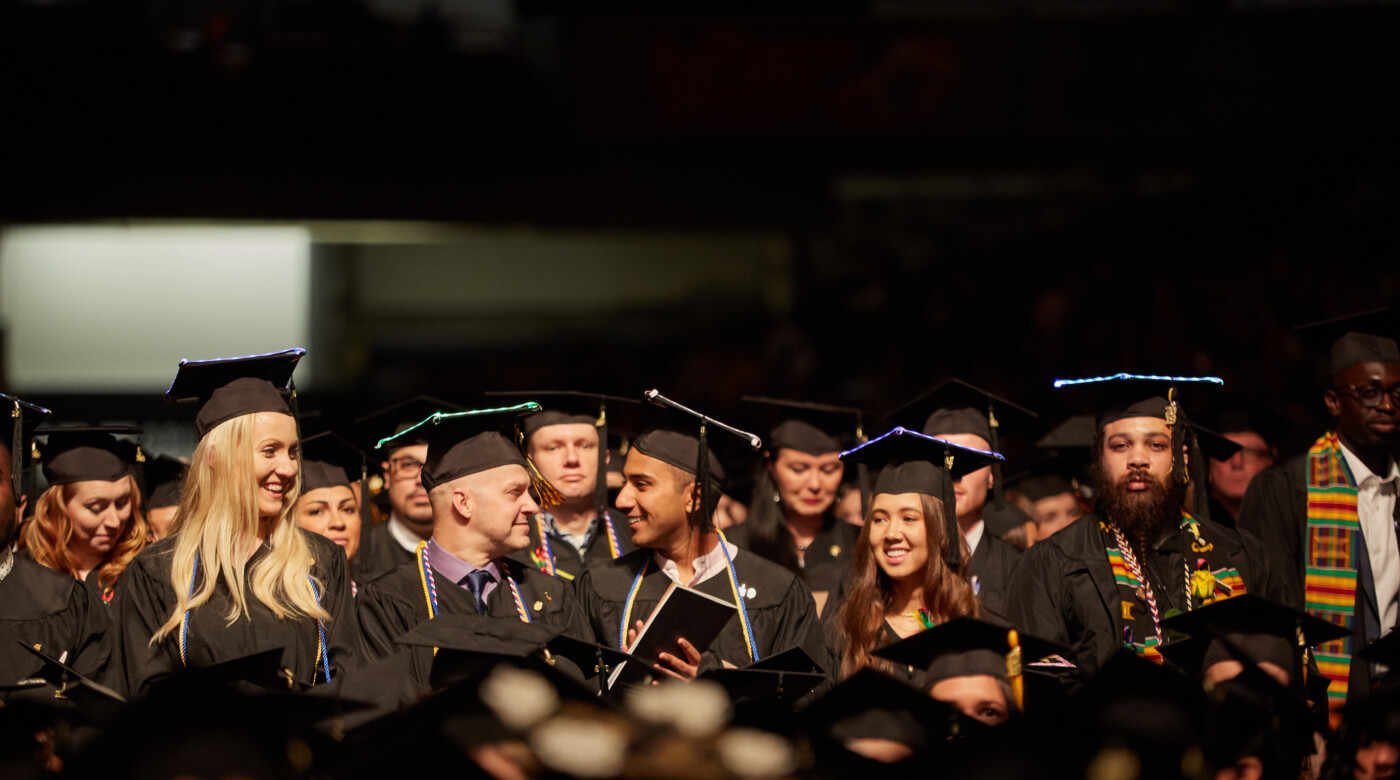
(1105, 583)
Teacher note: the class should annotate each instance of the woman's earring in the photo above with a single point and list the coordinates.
(777, 499)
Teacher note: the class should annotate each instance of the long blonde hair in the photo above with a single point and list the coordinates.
(218, 518)
(47, 535)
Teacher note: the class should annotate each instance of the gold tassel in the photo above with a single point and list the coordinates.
(547, 493)
(1013, 670)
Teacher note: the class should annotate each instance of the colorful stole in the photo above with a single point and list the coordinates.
(1334, 528)
(543, 556)
(1201, 584)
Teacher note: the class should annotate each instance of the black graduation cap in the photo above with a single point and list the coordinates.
(396, 418)
(83, 453)
(163, 476)
(70, 683)
(262, 670)
(468, 646)
(1040, 484)
(956, 407)
(1075, 432)
(1238, 413)
(785, 677)
(870, 703)
(22, 418)
(1366, 337)
(330, 460)
(233, 387)
(1253, 715)
(1248, 628)
(811, 428)
(682, 438)
(463, 443)
(911, 462)
(1214, 445)
(562, 407)
(969, 646)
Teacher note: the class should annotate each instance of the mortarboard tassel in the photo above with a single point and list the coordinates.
(1013, 670)
(950, 516)
(702, 482)
(547, 494)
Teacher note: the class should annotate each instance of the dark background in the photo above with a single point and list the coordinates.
(1006, 192)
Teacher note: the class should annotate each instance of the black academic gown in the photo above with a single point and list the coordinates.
(1275, 510)
(990, 570)
(146, 598)
(50, 609)
(393, 604)
(1063, 589)
(380, 554)
(781, 609)
(569, 561)
(827, 559)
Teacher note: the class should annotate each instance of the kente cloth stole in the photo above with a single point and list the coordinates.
(1203, 580)
(1334, 529)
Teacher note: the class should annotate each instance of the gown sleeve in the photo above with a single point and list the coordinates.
(139, 609)
(383, 618)
(1270, 513)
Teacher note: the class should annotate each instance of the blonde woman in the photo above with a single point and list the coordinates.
(88, 523)
(237, 576)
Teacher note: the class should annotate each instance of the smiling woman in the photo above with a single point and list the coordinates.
(237, 576)
(908, 567)
(88, 523)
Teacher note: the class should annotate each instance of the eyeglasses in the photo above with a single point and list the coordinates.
(1370, 393)
(405, 468)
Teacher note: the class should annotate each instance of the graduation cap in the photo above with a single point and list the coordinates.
(956, 407)
(1238, 413)
(330, 460)
(163, 477)
(785, 678)
(565, 407)
(396, 418)
(468, 646)
(681, 438)
(69, 682)
(262, 670)
(233, 387)
(870, 703)
(1253, 715)
(464, 443)
(1366, 337)
(1248, 628)
(81, 454)
(22, 418)
(967, 646)
(1385, 650)
(814, 429)
(911, 462)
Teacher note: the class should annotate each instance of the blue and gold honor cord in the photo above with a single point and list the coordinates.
(322, 654)
(733, 585)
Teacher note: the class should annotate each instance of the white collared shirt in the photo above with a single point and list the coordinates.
(706, 566)
(1375, 508)
(974, 536)
(406, 538)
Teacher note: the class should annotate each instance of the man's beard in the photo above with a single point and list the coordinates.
(1142, 515)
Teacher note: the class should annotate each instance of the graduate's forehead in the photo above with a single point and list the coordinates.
(641, 466)
(1136, 428)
